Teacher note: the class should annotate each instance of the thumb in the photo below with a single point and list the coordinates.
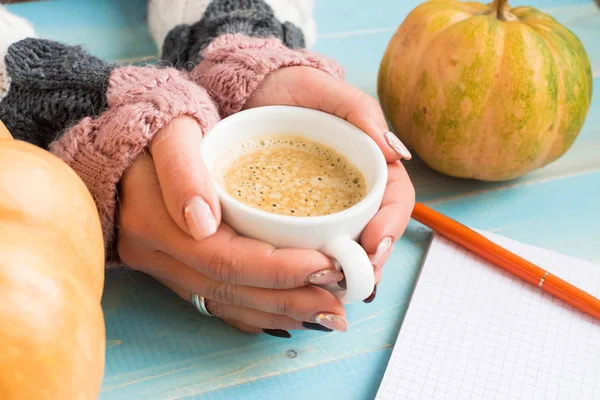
(357, 107)
(311, 88)
(185, 182)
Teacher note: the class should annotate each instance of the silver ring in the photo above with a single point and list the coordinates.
(200, 303)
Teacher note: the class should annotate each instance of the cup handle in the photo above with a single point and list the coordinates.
(358, 270)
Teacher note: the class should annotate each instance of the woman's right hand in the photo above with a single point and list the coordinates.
(249, 284)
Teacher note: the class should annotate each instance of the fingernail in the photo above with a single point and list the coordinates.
(280, 333)
(199, 218)
(325, 276)
(372, 296)
(382, 247)
(316, 327)
(331, 321)
(397, 145)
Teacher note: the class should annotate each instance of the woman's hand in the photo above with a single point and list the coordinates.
(311, 88)
(169, 228)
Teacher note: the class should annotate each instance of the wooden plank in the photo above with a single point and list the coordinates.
(358, 377)
(171, 351)
(351, 381)
(192, 354)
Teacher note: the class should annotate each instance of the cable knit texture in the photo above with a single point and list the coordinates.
(234, 66)
(52, 87)
(255, 18)
(141, 101)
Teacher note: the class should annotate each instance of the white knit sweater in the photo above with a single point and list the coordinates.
(164, 15)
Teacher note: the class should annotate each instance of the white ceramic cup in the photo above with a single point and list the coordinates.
(335, 234)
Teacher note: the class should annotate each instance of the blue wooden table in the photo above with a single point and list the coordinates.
(159, 347)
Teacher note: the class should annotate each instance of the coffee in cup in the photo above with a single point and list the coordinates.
(290, 175)
(234, 145)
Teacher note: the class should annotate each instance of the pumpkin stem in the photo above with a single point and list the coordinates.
(502, 8)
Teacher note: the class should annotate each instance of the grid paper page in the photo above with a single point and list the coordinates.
(473, 331)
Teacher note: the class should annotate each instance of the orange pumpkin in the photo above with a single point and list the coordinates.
(52, 335)
(4, 133)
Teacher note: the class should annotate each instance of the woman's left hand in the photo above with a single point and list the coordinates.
(311, 88)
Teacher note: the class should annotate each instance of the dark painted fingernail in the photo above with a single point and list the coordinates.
(280, 333)
(342, 283)
(316, 327)
(372, 296)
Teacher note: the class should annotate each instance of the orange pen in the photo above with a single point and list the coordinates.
(506, 260)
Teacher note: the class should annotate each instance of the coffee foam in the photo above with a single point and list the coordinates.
(290, 175)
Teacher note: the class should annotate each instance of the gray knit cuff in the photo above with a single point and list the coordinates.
(253, 18)
(53, 86)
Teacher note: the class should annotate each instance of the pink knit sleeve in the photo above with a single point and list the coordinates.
(141, 101)
(234, 65)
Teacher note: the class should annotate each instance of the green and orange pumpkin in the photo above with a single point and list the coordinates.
(485, 91)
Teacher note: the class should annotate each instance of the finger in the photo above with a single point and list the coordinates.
(393, 216)
(234, 259)
(312, 88)
(186, 185)
(379, 261)
(242, 326)
(363, 111)
(378, 276)
(280, 333)
(186, 295)
(305, 304)
(252, 317)
(308, 305)
(225, 256)
(248, 316)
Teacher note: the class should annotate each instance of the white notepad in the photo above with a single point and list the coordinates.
(473, 331)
